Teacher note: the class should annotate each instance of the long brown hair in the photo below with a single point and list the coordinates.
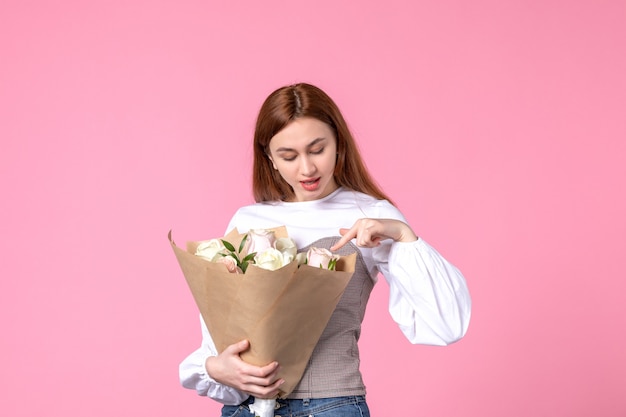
(282, 107)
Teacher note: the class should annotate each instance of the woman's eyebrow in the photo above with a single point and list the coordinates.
(313, 143)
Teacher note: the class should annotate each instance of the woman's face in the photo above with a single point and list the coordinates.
(305, 153)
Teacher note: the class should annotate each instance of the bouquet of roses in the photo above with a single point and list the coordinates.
(256, 286)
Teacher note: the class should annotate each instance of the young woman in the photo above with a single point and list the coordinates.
(308, 175)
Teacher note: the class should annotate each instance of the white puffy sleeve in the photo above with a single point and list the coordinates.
(428, 296)
(193, 374)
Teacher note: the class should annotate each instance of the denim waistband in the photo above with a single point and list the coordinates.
(311, 406)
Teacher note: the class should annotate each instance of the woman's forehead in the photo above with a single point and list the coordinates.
(302, 132)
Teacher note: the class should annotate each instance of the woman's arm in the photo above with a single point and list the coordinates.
(428, 296)
(369, 233)
(229, 369)
(206, 371)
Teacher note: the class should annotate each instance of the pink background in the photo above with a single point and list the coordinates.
(497, 126)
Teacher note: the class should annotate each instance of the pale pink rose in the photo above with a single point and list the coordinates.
(231, 264)
(259, 240)
(321, 258)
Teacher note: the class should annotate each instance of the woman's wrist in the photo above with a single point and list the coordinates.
(207, 366)
(406, 234)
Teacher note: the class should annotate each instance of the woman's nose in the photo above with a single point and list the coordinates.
(307, 167)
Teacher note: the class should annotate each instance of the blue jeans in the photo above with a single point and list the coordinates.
(354, 406)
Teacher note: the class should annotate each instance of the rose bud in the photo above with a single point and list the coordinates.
(231, 264)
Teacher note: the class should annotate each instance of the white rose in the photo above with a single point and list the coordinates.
(287, 247)
(301, 258)
(210, 249)
(322, 258)
(231, 264)
(259, 240)
(271, 259)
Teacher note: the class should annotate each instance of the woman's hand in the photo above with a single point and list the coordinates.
(229, 369)
(370, 232)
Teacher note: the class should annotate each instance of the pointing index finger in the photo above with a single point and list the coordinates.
(346, 236)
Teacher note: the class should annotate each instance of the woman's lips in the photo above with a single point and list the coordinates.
(310, 185)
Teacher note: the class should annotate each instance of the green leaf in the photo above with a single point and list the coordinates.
(249, 257)
(332, 264)
(243, 242)
(228, 245)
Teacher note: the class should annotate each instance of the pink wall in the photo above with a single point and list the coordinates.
(498, 127)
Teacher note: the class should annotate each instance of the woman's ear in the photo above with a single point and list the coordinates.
(272, 161)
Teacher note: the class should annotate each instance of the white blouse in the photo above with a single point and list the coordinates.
(428, 296)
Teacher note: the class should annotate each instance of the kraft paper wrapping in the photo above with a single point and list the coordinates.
(282, 313)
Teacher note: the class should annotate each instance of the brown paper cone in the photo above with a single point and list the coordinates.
(282, 313)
